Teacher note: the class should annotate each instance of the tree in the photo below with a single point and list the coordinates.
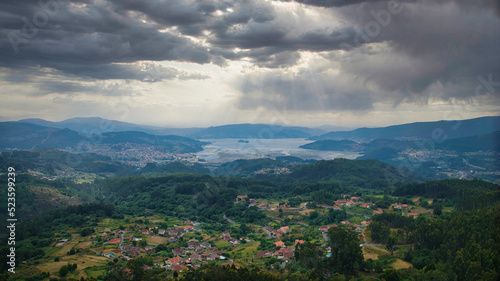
(391, 243)
(309, 255)
(379, 232)
(63, 271)
(346, 257)
(438, 209)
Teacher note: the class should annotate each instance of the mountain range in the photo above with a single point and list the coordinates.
(483, 142)
(16, 135)
(38, 133)
(97, 125)
(421, 130)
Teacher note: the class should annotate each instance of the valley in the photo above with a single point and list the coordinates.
(136, 206)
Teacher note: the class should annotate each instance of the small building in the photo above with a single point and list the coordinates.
(279, 244)
(174, 261)
(179, 267)
(297, 241)
(263, 254)
(324, 228)
(284, 229)
(414, 215)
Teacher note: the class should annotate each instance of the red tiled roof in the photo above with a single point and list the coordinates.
(114, 241)
(261, 254)
(279, 244)
(288, 255)
(179, 267)
(175, 260)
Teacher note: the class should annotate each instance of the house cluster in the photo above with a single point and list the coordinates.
(131, 251)
(226, 236)
(282, 253)
(176, 232)
(401, 206)
(128, 251)
(195, 255)
(275, 170)
(282, 230)
(405, 208)
(352, 202)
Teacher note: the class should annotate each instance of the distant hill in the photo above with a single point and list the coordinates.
(448, 188)
(486, 142)
(31, 136)
(423, 130)
(372, 174)
(334, 145)
(255, 131)
(91, 125)
(381, 147)
(173, 168)
(51, 161)
(172, 143)
(366, 147)
(97, 125)
(246, 168)
(15, 135)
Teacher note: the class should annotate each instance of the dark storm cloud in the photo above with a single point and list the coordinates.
(328, 3)
(80, 36)
(494, 4)
(88, 40)
(426, 51)
(451, 42)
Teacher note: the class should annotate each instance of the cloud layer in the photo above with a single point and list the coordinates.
(302, 55)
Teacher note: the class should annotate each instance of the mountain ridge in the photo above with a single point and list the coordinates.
(424, 130)
(16, 135)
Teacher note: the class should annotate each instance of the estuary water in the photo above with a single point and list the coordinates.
(226, 150)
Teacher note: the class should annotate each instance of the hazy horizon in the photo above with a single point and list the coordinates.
(225, 124)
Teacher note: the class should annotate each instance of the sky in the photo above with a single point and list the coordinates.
(198, 63)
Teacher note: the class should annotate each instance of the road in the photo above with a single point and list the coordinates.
(121, 242)
(229, 220)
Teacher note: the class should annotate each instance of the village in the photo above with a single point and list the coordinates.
(189, 244)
